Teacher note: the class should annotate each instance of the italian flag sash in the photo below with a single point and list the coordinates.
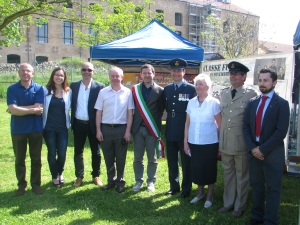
(148, 119)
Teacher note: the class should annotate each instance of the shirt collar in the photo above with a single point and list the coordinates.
(89, 83)
(111, 89)
(270, 94)
(143, 84)
(179, 84)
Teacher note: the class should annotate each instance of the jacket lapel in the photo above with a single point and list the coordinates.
(91, 91)
(152, 93)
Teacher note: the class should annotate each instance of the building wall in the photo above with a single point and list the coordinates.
(55, 49)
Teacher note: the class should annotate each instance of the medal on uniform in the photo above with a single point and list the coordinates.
(180, 97)
(187, 97)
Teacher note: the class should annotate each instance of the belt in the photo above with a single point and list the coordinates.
(143, 125)
(112, 125)
(83, 121)
(257, 143)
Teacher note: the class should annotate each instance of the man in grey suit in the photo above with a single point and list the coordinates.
(152, 95)
(265, 125)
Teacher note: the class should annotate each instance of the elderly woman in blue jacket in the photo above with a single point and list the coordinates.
(56, 121)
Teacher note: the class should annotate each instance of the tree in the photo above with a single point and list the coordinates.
(17, 15)
(236, 35)
(109, 20)
(114, 20)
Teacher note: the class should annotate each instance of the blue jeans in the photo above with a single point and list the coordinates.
(57, 143)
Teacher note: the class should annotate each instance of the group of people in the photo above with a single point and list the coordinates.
(248, 130)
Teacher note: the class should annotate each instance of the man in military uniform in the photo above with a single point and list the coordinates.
(176, 97)
(234, 101)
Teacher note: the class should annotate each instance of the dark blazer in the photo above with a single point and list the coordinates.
(274, 128)
(95, 88)
(175, 108)
(155, 105)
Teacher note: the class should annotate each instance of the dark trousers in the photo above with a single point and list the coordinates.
(81, 132)
(173, 147)
(114, 153)
(265, 180)
(57, 142)
(34, 141)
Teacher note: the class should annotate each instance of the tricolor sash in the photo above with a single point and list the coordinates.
(148, 119)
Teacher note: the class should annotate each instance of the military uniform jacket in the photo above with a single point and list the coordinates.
(176, 103)
(231, 134)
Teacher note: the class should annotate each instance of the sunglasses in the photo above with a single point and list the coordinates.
(84, 69)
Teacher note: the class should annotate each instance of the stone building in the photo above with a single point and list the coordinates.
(54, 40)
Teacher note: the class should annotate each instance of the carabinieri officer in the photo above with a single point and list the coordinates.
(176, 97)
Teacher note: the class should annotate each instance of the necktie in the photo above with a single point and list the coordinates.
(259, 115)
(233, 91)
(176, 87)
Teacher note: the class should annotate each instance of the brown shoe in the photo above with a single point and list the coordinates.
(237, 214)
(224, 209)
(97, 181)
(78, 182)
(37, 190)
(20, 191)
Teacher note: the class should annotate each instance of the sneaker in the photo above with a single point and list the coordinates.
(150, 187)
(137, 186)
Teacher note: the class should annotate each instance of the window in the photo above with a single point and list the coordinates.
(226, 27)
(69, 5)
(138, 9)
(160, 15)
(117, 10)
(41, 31)
(178, 32)
(12, 58)
(67, 32)
(41, 59)
(93, 35)
(178, 19)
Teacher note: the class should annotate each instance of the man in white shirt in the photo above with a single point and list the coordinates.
(84, 96)
(113, 124)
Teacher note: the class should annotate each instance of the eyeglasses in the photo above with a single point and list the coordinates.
(84, 70)
(59, 75)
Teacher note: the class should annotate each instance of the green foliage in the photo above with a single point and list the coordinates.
(3, 89)
(71, 62)
(16, 16)
(113, 20)
(236, 34)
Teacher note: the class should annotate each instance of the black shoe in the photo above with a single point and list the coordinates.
(184, 194)
(108, 186)
(172, 191)
(254, 222)
(120, 189)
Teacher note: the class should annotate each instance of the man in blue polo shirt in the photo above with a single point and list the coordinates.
(25, 104)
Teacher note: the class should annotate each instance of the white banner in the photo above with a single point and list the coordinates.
(282, 63)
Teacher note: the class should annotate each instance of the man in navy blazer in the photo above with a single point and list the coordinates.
(83, 116)
(176, 97)
(265, 148)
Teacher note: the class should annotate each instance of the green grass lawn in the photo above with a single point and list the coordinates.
(88, 204)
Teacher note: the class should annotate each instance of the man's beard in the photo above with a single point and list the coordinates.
(265, 90)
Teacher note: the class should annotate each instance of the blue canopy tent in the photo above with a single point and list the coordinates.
(155, 44)
(296, 40)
